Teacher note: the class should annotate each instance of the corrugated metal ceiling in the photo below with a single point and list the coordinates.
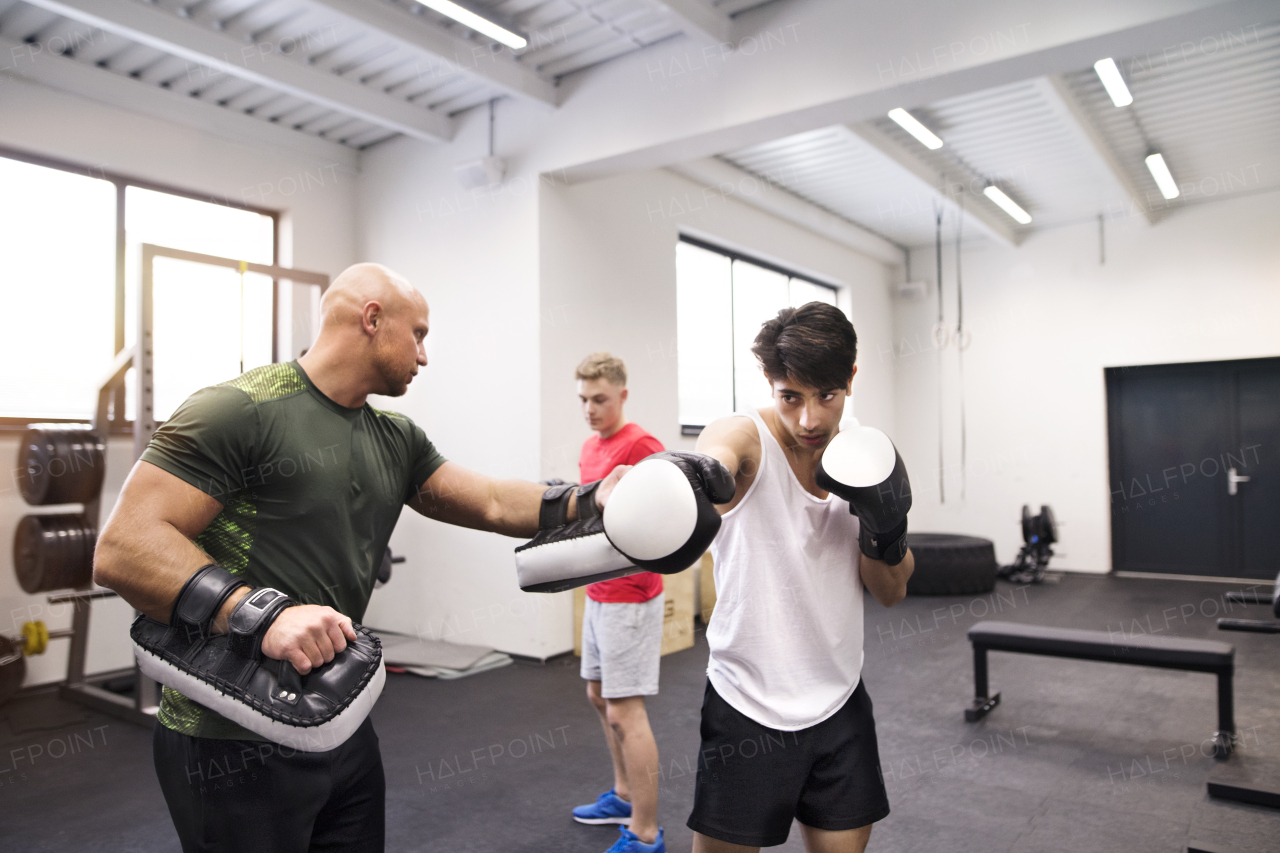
(1212, 110)
(565, 36)
(836, 170)
(1214, 113)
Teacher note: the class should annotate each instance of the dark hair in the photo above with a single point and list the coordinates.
(814, 344)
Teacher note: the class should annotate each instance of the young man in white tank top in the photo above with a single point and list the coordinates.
(787, 730)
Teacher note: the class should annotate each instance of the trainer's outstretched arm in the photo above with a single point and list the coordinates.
(457, 495)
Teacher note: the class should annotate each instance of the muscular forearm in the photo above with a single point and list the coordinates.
(888, 584)
(147, 566)
(515, 506)
(458, 496)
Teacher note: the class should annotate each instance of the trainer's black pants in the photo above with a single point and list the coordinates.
(243, 796)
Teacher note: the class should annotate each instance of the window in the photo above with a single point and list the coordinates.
(722, 299)
(70, 298)
(58, 239)
(207, 328)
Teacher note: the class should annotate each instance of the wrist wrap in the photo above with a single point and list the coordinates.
(200, 599)
(890, 547)
(251, 618)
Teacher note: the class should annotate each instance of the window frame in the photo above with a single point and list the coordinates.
(735, 255)
(122, 182)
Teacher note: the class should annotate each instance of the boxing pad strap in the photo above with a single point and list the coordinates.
(566, 554)
(588, 512)
(201, 597)
(251, 618)
(554, 510)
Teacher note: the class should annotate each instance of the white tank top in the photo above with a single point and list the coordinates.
(786, 637)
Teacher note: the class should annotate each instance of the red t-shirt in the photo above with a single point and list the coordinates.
(627, 446)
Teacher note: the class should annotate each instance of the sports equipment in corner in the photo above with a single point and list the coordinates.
(862, 466)
(660, 518)
(227, 672)
(1039, 532)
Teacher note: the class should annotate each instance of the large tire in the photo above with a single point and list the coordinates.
(950, 564)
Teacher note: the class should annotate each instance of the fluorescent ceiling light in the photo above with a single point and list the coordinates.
(1110, 76)
(481, 25)
(1007, 204)
(1164, 178)
(908, 123)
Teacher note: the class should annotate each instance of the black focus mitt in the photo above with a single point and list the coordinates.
(228, 673)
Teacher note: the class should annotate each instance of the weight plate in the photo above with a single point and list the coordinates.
(35, 638)
(1048, 525)
(12, 672)
(57, 466)
(53, 552)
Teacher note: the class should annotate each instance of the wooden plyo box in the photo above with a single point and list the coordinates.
(677, 624)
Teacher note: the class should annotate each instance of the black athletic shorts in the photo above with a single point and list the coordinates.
(244, 796)
(753, 780)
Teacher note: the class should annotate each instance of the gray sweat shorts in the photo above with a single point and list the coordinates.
(622, 645)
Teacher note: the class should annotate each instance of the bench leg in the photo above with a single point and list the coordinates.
(1225, 737)
(982, 702)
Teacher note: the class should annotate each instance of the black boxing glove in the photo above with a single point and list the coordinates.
(862, 466)
(660, 518)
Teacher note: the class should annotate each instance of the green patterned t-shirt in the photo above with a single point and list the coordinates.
(311, 491)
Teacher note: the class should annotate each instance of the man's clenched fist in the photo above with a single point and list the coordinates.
(308, 636)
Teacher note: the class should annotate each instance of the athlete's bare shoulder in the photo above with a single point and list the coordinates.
(735, 441)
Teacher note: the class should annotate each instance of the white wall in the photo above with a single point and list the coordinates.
(522, 282)
(609, 283)
(1046, 319)
(318, 233)
(475, 257)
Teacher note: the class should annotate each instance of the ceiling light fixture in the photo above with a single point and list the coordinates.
(1113, 81)
(1164, 178)
(909, 123)
(1007, 204)
(481, 25)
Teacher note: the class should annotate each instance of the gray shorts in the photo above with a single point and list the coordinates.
(622, 645)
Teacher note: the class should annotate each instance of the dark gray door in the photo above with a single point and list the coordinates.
(1258, 392)
(1195, 468)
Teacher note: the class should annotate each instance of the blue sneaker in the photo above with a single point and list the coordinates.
(608, 808)
(629, 843)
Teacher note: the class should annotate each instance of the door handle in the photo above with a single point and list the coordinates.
(1232, 479)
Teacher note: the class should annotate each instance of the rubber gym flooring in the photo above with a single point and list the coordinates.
(1079, 755)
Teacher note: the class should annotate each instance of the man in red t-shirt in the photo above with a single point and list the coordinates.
(621, 627)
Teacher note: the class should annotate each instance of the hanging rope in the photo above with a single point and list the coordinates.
(492, 102)
(937, 328)
(244, 267)
(961, 343)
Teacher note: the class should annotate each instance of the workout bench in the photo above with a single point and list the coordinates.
(1146, 650)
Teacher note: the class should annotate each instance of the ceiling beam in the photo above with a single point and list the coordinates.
(453, 53)
(161, 30)
(987, 217)
(1057, 94)
(725, 178)
(116, 90)
(772, 96)
(699, 20)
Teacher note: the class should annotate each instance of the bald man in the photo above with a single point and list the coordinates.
(286, 477)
